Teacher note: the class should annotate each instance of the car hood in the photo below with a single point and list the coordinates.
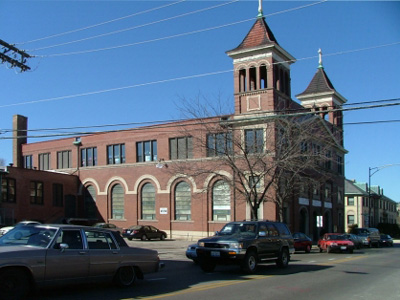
(225, 238)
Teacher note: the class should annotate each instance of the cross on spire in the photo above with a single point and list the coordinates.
(260, 10)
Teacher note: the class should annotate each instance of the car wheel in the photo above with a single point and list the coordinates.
(351, 251)
(14, 284)
(308, 249)
(328, 249)
(283, 259)
(130, 238)
(125, 277)
(162, 238)
(320, 249)
(144, 237)
(207, 266)
(249, 264)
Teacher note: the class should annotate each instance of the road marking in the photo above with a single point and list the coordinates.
(202, 287)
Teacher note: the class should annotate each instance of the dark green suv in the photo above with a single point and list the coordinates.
(246, 243)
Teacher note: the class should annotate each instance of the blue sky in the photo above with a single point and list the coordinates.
(77, 80)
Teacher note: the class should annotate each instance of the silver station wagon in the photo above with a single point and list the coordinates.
(50, 255)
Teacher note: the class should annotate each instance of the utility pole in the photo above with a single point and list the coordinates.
(16, 58)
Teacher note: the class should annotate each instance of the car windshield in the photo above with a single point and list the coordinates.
(241, 229)
(337, 237)
(28, 236)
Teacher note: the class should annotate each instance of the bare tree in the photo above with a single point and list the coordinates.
(268, 155)
(2, 162)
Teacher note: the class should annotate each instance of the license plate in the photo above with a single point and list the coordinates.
(343, 248)
(215, 254)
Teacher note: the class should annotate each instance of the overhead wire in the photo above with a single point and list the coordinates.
(201, 121)
(175, 35)
(134, 27)
(180, 78)
(100, 24)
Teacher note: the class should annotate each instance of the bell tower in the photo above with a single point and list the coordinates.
(261, 71)
(321, 97)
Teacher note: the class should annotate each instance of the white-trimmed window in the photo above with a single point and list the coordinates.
(183, 202)
(148, 202)
(221, 201)
(117, 202)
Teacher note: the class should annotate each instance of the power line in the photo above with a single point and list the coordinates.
(179, 78)
(210, 120)
(176, 35)
(135, 27)
(103, 23)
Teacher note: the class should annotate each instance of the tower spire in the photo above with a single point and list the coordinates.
(320, 59)
(260, 10)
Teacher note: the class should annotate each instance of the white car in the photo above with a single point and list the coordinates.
(6, 229)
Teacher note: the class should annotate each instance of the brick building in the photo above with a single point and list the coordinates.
(132, 176)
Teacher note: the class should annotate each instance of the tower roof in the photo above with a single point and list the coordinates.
(319, 84)
(259, 35)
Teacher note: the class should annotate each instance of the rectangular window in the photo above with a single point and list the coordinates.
(219, 144)
(116, 154)
(89, 157)
(64, 160)
(339, 161)
(350, 219)
(146, 151)
(8, 190)
(350, 201)
(181, 148)
(328, 160)
(44, 161)
(36, 192)
(28, 162)
(254, 140)
(58, 194)
(255, 181)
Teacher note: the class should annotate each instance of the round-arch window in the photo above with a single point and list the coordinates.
(117, 202)
(221, 198)
(183, 201)
(148, 202)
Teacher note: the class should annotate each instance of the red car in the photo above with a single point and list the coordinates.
(335, 242)
(302, 242)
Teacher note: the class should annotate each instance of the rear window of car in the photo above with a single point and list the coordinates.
(283, 230)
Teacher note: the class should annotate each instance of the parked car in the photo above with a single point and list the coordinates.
(144, 232)
(386, 240)
(191, 253)
(246, 244)
(338, 242)
(370, 236)
(357, 240)
(108, 226)
(6, 229)
(302, 242)
(48, 255)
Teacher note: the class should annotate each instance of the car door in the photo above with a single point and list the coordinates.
(104, 254)
(71, 264)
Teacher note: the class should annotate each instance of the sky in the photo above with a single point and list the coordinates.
(132, 62)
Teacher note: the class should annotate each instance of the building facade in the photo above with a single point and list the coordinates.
(366, 208)
(136, 176)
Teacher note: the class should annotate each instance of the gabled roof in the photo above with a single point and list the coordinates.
(259, 35)
(319, 84)
(352, 188)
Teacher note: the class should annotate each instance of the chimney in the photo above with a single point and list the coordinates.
(20, 127)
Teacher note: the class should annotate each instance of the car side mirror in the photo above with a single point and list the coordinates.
(63, 246)
(217, 232)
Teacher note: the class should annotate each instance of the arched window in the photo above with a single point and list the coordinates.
(221, 201)
(242, 80)
(117, 202)
(263, 77)
(90, 202)
(148, 202)
(253, 79)
(183, 201)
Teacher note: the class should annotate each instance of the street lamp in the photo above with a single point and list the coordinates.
(372, 171)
